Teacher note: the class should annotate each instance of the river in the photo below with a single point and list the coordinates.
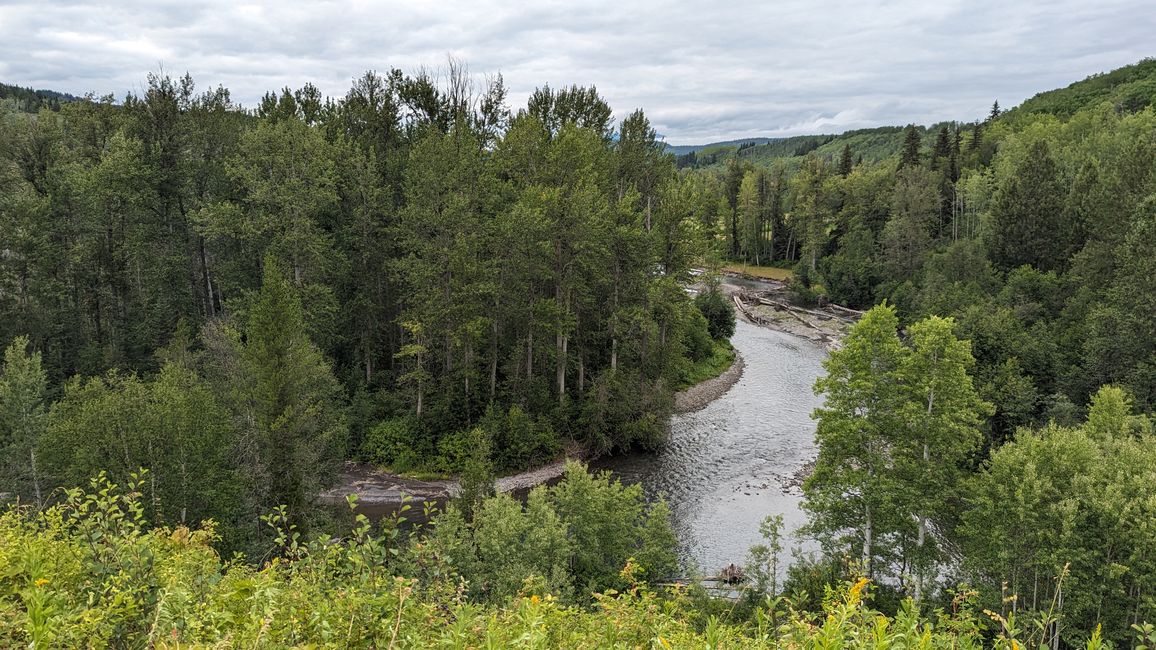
(727, 466)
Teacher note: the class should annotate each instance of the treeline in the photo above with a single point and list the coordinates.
(27, 100)
(245, 298)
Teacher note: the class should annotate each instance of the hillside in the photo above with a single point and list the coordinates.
(1129, 89)
(872, 145)
(27, 100)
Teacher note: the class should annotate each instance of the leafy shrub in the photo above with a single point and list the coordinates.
(720, 316)
(696, 337)
(520, 440)
(392, 444)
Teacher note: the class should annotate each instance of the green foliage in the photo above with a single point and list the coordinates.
(719, 360)
(521, 440)
(297, 406)
(22, 422)
(897, 425)
(1050, 503)
(172, 425)
(1130, 88)
(392, 443)
(850, 275)
(1027, 214)
(89, 572)
(720, 315)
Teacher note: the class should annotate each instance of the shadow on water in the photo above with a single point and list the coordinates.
(727, 466)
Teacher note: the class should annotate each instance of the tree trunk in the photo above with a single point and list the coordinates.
(36, 480)
(494, 361)
(563, 342)
(868, 531)
(581, 372)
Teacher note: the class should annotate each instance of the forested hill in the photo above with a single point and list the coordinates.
(1129, 89)
(27, 100)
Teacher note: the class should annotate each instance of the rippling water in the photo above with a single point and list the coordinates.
(725, 467)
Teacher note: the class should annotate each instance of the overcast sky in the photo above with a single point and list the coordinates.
(702, 71)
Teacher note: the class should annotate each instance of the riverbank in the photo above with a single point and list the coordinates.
(698, 396)
(380, 492)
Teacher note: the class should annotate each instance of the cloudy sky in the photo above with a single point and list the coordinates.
(702, 71)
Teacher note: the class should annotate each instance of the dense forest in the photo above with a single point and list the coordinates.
(206, 309)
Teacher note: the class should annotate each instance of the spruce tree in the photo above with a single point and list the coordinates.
(296, 402)
(910, 152)
(845, 163)
(1028, 214)
(942, 148)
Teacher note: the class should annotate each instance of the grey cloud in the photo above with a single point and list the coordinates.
(702, 71)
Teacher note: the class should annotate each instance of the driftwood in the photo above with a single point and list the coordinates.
(793, 311)
(731, 575)
(853, 312)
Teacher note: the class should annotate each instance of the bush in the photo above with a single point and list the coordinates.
(521, 441)
(696, 337)
(802, 294)
(392, 444)
(802, 286)
(720, 316)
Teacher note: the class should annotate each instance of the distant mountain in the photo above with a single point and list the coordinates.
(872, 144)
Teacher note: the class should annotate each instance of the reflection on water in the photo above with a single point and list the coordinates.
(725, 467)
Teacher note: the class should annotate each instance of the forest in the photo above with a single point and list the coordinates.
(206, 310)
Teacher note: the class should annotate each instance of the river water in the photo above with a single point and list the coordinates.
(727, 466)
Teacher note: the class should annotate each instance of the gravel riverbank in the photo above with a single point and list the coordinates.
(698, 396)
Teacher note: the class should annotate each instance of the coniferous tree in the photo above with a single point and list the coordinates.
(845, 161)
(942, 148)
(909, 154)
(296, 404)
(1028, 213)
(976, 137)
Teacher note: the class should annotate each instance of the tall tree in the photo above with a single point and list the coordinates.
(22, 386)
(296, 406)
(912, 141)
(1028, 211)
(846, 162)
(907, 237)
(942, 416)
(851, 495)
(812, 211)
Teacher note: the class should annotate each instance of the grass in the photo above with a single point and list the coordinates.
(766, 272)
(710, 367)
